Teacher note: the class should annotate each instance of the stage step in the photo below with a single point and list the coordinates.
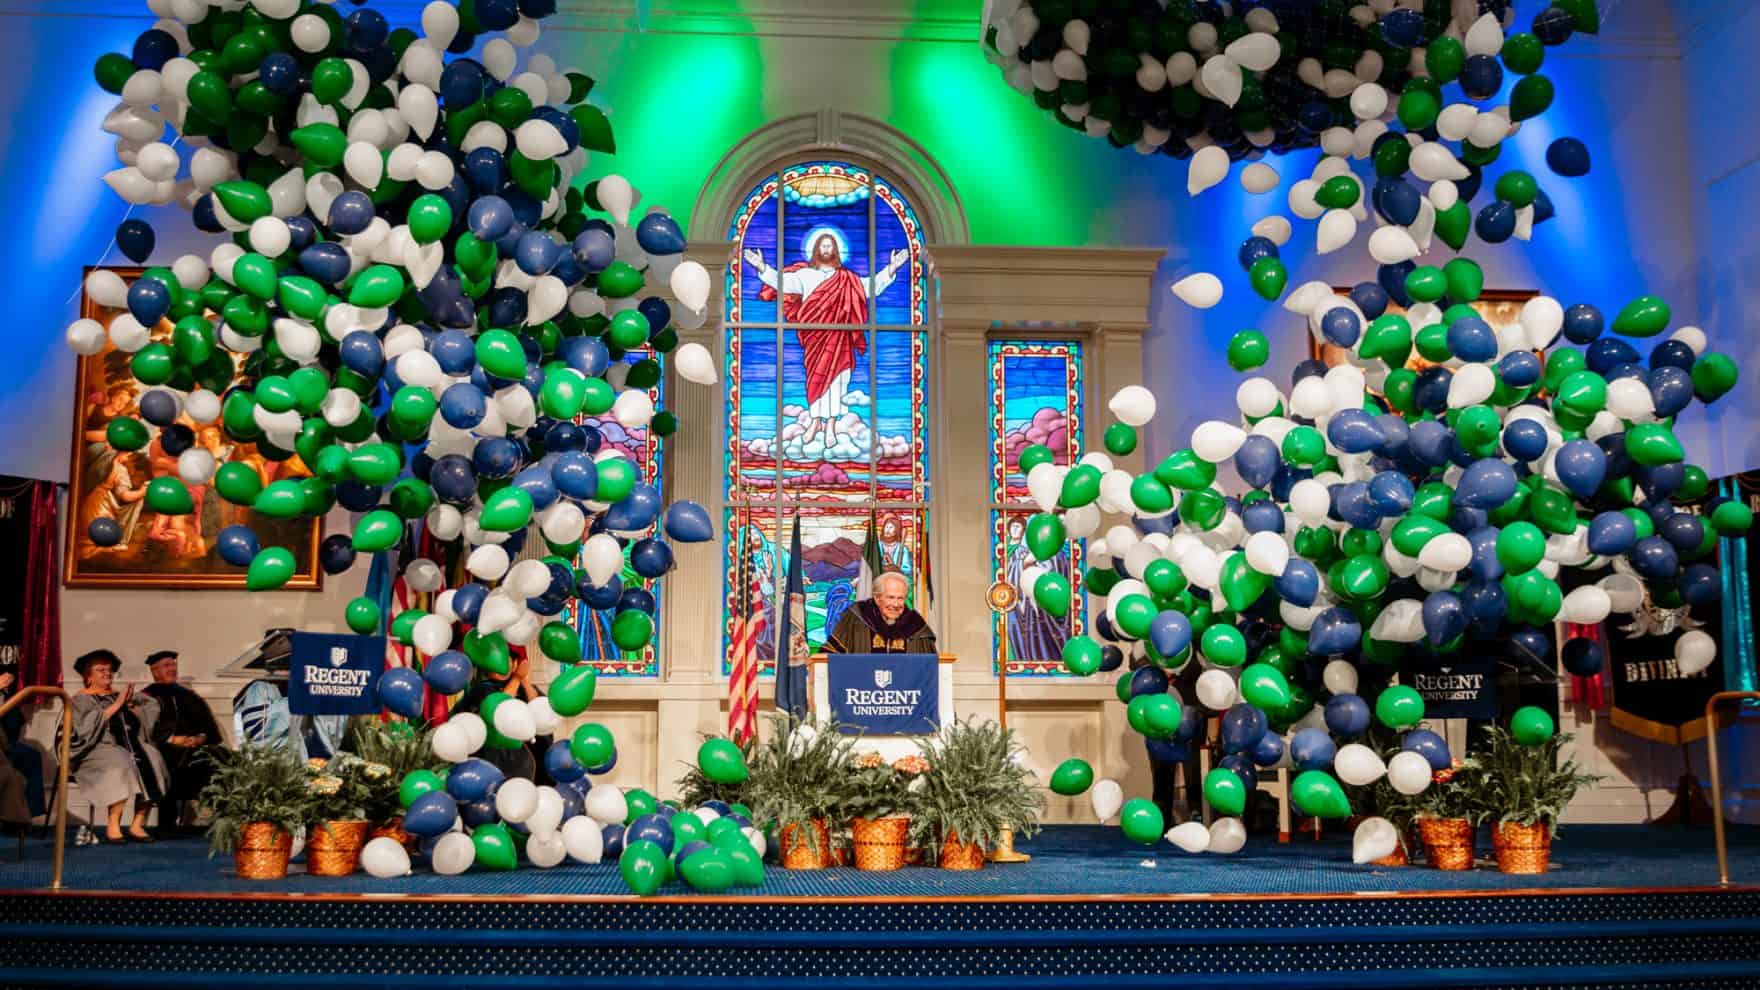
(1695, 938)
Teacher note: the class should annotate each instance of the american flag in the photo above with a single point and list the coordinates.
(748, 627)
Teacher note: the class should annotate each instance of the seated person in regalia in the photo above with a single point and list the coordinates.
(883, 623)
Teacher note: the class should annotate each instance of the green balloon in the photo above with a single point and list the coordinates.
(617, 478)
(378, 530)
(1224, 646)
(721, 761)
(430, 217)
(1034, 455)
(571, 692)
(642, 803)
(1523, 53)
(1582, 392)
(271, 568)
(1241, 585)
(410, 498)
(708, 870)
(1164, 578)
(1081, 486)
(560, 642)
(284, 499)
(331, 80)
(378, 286)
(1340, 192)
(1185, 470)
(1120, 439)
(1518, 188)
(1304, 446)
(1247, 350)
(403, 627)
(628, 330)
(416, 783)
(375, 463)
(1203, 508)
(246, 202)
(1150, 496)
(1731, 518)
(322, 144)
(1426, 283)
(500, 354)
(631, 629)
(1653, 444)
(1399, 707)
(487, 652)
(1520, 547)
(592, 744)
(1318, 794)
(1264, 686)
(1454, 223)
(1133, 615)
(642, 867)
(1268, 276)
(1418, 108)
(1072, 777)
(113, 71)
(168, 497)
(1530, 97)
(1713, 376)
(414, 405)
(619, 280)
(1225, 791)
(1466, 280)
(127, 433)
(1141, 821)
(1044, 535)
(507, 510)
(1531, 726)
(748, 868)
(1645, 316)
(1082, 656)
(362, 616)
(1051, 593)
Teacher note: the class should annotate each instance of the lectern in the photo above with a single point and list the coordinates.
(889, 746)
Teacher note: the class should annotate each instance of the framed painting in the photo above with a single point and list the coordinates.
(160, 551)
(1499, 307)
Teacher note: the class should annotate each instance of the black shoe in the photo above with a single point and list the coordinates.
(106, 840)
(138, 839)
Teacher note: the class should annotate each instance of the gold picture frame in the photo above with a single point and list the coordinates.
(159, 552)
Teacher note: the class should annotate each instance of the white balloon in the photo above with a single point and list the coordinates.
(385, 857)
(1431, 161)
(363, 164)
(1310, 501)
(1693, 337)
(1257, 397)
(499, 613)
(1257, 50)
(1044, 483)
(475, 730)
(517, 798)
(1587, 606)
(450, 743)
(1134, 405)
(1358, 765)
(1259, 178)
(421, 110)
(547, 816)
(618, 197)
(1221, 75)
(1107, 797)
(488, 562)
(603, 558)
(1694, 651)
(545, 849)
(1471, 384)
(1301, 199)
(1267, 553)
(432, 634)
(1082, 521)
(195, 465)
(434, 171)
(1402, 621)
(1227, 836)
(1275, 229)
(633, 409)
(1369, 101)
(544, 718)
(1391, 245)
(1340, 677)
(1193, 837)
(1216, 441)
(127, 333)
(690, 285)
(107, 289)
(606, 804)
(1216, 690)
(1409, 773)
(1630, 399)
(562, 524)
(1375, 838)
(1447, 552)
(514, 720)
(694, 363)
(202, 406)
(1200, 291)
(85, 336)
(454, 853)
(583, 838)
(1337, 228)
(1485, 37)
(1207, 168)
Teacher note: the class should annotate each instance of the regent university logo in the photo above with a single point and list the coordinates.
(881, 702)
(334, 681)
(882, 678)
(1446, 685)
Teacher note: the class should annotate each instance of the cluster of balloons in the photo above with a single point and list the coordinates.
(413, 294)
(471, 814)
(1385, 519)
(1232, 80)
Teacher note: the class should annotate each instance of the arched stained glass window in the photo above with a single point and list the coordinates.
(827, 306)
(641, 445)
(1035, 398)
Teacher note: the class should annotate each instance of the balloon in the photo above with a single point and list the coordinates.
(1531, 726)
(1192, 837)
(1141, 821)
(453, 854)
(721, 761)
(1107, 798)
(1358, 765)
(1317, 794)
(1399, 707)
(1072, 777)
(1375, 838)
(583, 840)
(1224, 791)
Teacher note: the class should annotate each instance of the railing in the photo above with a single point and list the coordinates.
(1711, 706)
(61, 782)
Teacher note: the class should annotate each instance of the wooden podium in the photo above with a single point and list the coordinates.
(889, 747)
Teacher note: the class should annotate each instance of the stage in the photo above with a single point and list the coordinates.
(1621, 906)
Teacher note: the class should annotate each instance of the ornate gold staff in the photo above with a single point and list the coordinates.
(1002, 598)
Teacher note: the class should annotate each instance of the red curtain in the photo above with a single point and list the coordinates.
(41, 662)
(1590, 691)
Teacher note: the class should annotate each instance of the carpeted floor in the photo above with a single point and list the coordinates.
(1066, 860)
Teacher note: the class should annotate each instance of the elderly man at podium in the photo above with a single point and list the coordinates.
(883, 623)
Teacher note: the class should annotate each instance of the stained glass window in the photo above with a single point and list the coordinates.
(641, 445)
(1035, 398)
(826, 366)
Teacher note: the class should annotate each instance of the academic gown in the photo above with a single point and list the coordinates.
(862, 629)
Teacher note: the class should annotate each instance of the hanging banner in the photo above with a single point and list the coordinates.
(334, 674)
(15, 541)
(886, 694)
(1465, 687)
(1652, 697)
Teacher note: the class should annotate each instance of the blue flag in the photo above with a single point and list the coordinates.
(791, 636)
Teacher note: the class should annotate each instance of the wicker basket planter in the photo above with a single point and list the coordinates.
(957, 855)
(262, 852)
(393, 830)
(1395, 858)
(798, 850)
(1522, 848)
(880, 843)
(334, 848)
(1448, 842)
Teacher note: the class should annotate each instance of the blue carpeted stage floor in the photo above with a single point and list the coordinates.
(1067, 860)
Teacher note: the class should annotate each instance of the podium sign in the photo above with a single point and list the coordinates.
(335, 674)
(885, 694)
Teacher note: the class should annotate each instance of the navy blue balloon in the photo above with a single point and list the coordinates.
(1403, 28)
(595, 248)
(1655, 558)
(507, 307)
(1568, 157)
(1481, 77)
(366, 29)
(659, 234)
(606, 767)
(449, 671)
(1519, 369)
(1486, 484)
(1682, 530)
(1612, 533)
(1371, 298)
(1671, 390)
(490, 218)
(1347, 715)
(1397, 200)
(1581, 467)
(431, 814)
(1253, 249)
(1352, 503)
(454, 351)
(1543, 208)
(400, 690)
(1672, 353)
(1312, 749)
(301, 232)
(496, 457)
(478, 813)
(1583, 657)
(1392, 492)
(1355, 431)
(1430, 442)
(327, 262)
(1525, 439)
(1167, 750)
(356, 496)
(1496, 222)
(485, 170)
(1484, 564)
(1170, 632)
(1335, 631)
(237, 545)
(536, 482)
(1262, 516)
(1267, 751)
(657, 313)
(563, 437)
(587, 355)
(603, 596)
(636, 599)
(1241, 727)
(1484, 603)
(1393, 280)
(1432, 747)
(653, 828)
(452, 477)
(1257, 460)
(1444, 617)
(153, 48)
(461, 84)
(1608, 353)
(159, 407)
(134, 237)
(467, 601)
(463, 406)
(636, 511)
(1472, 339)
(650, 557)
(1148, 680)
(1582, 323)
(335, 554)
(1340, 325)
(1299, 584)
(537, 253)
(148, 300)
(1241, 765)
(279, 73)
(1700, 584)
(688, 522)
(350, 213)
(1111, 658)
(472, 779)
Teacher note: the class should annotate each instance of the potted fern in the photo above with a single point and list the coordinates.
(797, 784)
(975, 789)
(879, 802)
(1448, 814)
(258, 798)
(1527, 788)
(402, 748)
(342, 788)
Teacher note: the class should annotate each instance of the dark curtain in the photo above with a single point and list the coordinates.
(40, 660)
